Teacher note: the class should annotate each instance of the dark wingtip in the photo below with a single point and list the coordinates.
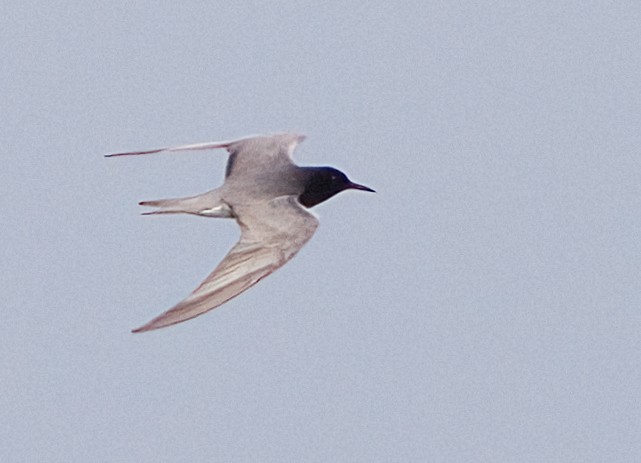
(134, 153)
(113, 155)
(116, 155)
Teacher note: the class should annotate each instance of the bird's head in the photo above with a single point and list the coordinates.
(322, 183)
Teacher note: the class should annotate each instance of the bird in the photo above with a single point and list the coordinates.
(269, 196)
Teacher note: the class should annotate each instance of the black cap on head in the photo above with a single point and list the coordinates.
(324, 182)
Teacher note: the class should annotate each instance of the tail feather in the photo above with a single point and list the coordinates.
(168, 206)
(207, 204)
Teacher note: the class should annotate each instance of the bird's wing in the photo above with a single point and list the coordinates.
(268, 145)
(272, 233)
(194, 146)
(254, 155)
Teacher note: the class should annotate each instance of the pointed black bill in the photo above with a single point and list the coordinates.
(356, 186)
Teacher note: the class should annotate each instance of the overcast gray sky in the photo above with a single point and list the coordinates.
(483, 306)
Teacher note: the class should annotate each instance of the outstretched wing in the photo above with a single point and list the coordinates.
(195, 146)
(246, 155)
(272, 233)
(255, 145)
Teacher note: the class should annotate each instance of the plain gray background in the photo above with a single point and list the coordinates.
(483, 306)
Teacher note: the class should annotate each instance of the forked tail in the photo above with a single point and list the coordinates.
(207, 204)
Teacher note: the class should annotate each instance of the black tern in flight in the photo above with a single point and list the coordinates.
(267, 194)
